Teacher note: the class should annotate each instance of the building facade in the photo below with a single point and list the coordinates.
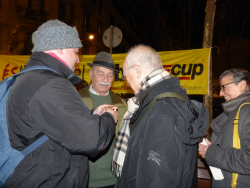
(20, 18)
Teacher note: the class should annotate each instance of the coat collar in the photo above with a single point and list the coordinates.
(41, 58)
(148, 95)
(115, 99)
(231, 105)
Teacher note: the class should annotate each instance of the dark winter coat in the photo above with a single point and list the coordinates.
(221, 153)
(155, 146)
(43, 102)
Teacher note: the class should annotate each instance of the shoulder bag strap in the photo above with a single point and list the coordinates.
(44, 138)
(162, 95)
(236, 142)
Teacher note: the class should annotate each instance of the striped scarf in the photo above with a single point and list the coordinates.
(153, 78)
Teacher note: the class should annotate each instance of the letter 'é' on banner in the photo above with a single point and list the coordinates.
(191, 66)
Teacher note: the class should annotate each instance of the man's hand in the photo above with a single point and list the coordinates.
(105, 108)
(203, 148)
(100, 109)
(115, 114)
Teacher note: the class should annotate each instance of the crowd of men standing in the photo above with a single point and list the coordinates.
(151, 141)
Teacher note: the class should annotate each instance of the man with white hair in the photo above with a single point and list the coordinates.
(102, 74)
(157, 144)
(43, 102)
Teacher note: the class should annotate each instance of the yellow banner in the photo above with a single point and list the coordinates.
(191, 66)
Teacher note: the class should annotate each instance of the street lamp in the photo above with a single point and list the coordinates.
(92, 47)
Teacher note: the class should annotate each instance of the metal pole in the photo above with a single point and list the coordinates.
(111, 38)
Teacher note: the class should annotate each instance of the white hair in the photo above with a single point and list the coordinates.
(144, 56)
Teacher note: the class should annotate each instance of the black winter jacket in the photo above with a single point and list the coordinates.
(43, 102)
(156, 143)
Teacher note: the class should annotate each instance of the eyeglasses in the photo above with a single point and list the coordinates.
(124, 75)
(222, 87)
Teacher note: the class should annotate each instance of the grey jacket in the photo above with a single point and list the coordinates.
(221, 153)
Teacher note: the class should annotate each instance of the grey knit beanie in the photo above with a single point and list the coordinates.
(55, 34)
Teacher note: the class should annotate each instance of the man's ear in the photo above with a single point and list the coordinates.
(60, 51)
(90, 73)
(137, 70)
(243, 86)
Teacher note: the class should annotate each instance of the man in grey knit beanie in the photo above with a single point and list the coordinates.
(55, 34)
(51, 106)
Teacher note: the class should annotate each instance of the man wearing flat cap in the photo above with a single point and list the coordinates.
(43, 102)
(102, 75)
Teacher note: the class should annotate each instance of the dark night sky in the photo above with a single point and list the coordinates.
(179, 24)
(181, 15)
